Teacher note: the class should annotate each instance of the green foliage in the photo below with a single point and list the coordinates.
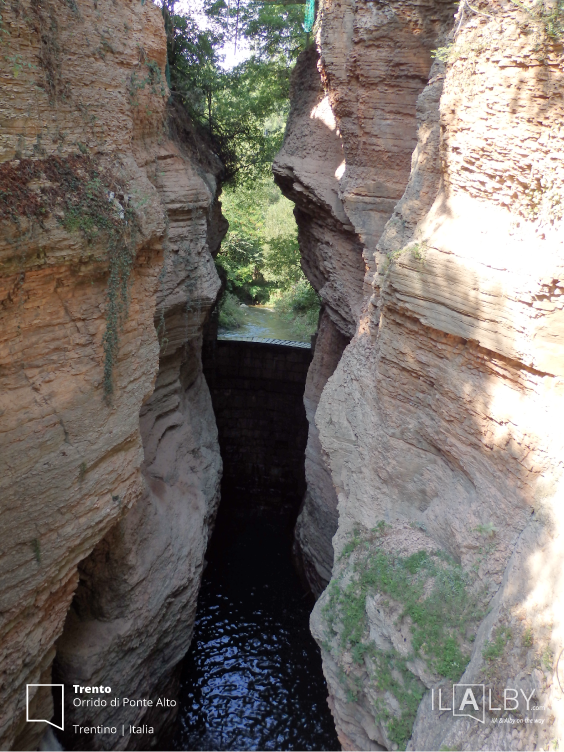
(528, 638)
(36, 547)
(403, 579)
(380, 527)
(301, 300)
(3, 29)
(436, 596)
(551, 18)
(82, 471)
(260, 254)
(452, 52)
(493, 649)
(388, 671)
(351, 545)
(272, 31)
(161, 326)
(234, 107)
(243, 112)
(16, 62)
(390, 259)
(97, 214)
(543, 198)
(281, 248)
(391, 674)
(85, 199)
(444, 54)
(241, 256)
(548, 17)
(488, 529)
(419, 251)
(260, 258)
(153, 79)
(299, 306)
(230, 313)
(122, 257)
(547, 658)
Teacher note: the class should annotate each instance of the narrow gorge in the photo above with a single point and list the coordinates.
(424, 152)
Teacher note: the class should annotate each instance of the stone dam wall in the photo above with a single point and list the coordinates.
(257, 395)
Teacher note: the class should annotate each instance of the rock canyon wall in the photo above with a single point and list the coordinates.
(439, 433)
(109, 458)
(307, 170)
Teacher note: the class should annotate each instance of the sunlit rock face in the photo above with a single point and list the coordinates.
(441, 425)
(127, 482)
(308, 169)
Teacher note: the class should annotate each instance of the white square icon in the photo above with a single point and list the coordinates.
(55, 689)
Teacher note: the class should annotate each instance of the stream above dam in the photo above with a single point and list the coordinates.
(263, 322)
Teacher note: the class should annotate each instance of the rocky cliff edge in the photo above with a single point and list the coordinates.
(109, 217)
(441, 424)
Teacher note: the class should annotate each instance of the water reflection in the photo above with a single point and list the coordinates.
(264, 322)
(253, 677)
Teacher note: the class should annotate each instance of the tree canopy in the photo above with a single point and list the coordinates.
(243, 110)
(260, 254)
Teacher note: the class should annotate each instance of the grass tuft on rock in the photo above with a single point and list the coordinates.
(436, 600)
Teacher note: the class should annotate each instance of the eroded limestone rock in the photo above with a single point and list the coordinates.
(131, 476)
(317, 522)
(441, 423)
(308, 169)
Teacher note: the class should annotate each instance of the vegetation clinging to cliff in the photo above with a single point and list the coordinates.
(84, 198)
(427, 595)
(545, 20)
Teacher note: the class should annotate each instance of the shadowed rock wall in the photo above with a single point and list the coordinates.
(317, 522)
(307, 170)
(131, 620)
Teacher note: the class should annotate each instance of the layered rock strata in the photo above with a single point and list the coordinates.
(308, 169)
(107, 477)
(441, 423)
(131, 619)
(317, 521)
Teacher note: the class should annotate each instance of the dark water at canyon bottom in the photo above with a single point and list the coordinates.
(252, 679)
